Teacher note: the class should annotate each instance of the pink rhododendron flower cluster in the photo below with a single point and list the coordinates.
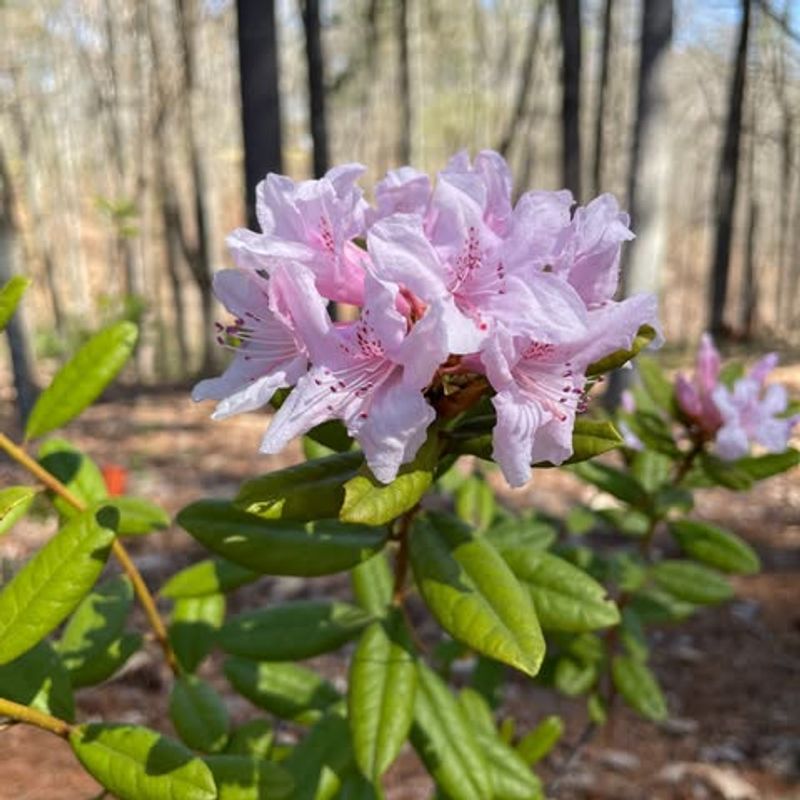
(737, 417)
(453, 282)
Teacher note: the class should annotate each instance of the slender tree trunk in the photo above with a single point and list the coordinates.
(261, 111)
(727, 183)
(569, 13)
(404, 68)
(316, 86)
(602, 89)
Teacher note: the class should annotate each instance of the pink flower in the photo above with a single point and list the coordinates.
(695, 397)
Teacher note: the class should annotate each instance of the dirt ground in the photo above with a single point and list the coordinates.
(732, 675)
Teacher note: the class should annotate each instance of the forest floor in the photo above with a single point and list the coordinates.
(731, 675)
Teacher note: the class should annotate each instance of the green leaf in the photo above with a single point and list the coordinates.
(655, 606)
(198, 714)
(106, 661)
(619, 484)
(322, 760)
(382, 685)
(280, 547)
(243, 777)
(473, 593)
(590, 439)
(639, 687)
(760, 467)
(331, 434)
(139, 764)
(726, 473)
(371, 502)
(574, 678)
(509, 775)
(287, 690)
(715, 547)
(475, 503)
(477, 709)
(309, 491)
(76, 471)
(357, 787)
(488, 679)
(81, 380)
(644, 336)
(138, 516)
(651, 469)
(372, 584)
(535, 746)
(96, 624)
(519, 532)
(254, 738)
(656, 383)
(47, 589)
(653, 431)
(194, 628)
(14, 502)
(692, 582)
(565, 597)
(446, 742)
(293, 631)
(212, 576)
(10, 295)
(38, 679)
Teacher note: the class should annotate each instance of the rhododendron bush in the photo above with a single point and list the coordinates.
(467, 325)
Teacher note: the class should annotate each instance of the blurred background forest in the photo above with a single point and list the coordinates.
(125, 127)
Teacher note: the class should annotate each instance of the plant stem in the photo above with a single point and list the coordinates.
(31, 716)
(120, 553)
(401, 562)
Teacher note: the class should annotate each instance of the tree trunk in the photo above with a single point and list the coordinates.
(404, 68)
(261, 112)
(569, 13)
(597, 166)
(316, 86)
(727, 183)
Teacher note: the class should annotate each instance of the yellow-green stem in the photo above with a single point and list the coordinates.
(31, 716)
(120, 553)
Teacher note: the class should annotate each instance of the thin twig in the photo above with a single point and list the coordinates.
(31, 716)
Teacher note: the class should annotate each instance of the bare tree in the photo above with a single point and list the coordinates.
(316, 85)
(727, 182)
(569, 14)
(602, 90)
(404, 69)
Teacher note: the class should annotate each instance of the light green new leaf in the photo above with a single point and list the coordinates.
(212, 576)
(692, 582)
(199, 714)
(535, 746)
(81, 380)
(371, 502)
(574, 678)
(280, 547)
(243, 777)
(139, 764)
(473, 593)
(287, 690)
(292, 631)
(138, 516)
(76, 471)
(254, 738)
(38, 679)
(639, 687)
(521, 532)
(644, 336)
(475, 503)
(445, 740)
(565, 597)
(47, 589)
(10, 295)
(591, 438)
(308, 491)
(715, 547)
(477, 709)
(14, 502)
(509, 775)
(383, 682)
(372, 584)
(194, 627)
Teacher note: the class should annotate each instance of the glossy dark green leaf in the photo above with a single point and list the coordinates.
(49, 587)
(692, 582)
(81, 380)
(253, 738)
(715, 547)
(139, 764)
(138, 516)
(14, 502)
(760, 467)
(536, 745)
(565, 597)
(199, 714)
(39, 679)
(372, 584)
(242, 777)
(287, 690)
(473, 593)
(106, 661)
(617, 483)
(446, 742)
(382, 685)
(639, 687)
(292, 631)
(644, 336)
(509, 775)
(371, 502)
(280, 547)
(194, 628)
(308, 491)
(331, 434)
(475, 502)
(76, 471)
(10, 296)
(212, 576)
(519, 532)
